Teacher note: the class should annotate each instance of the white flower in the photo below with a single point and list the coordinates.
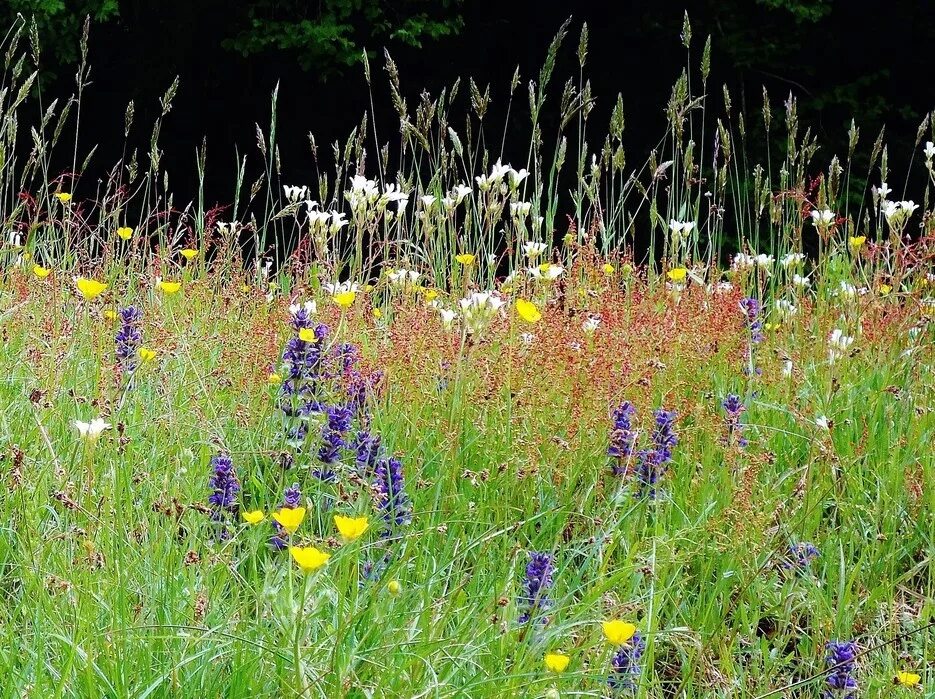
(823, 422)
(680, 229)
(897, 213)
(591, 324)
(90, 431)
(785, 308)
(264, 265)
(498, 171)
(520, 209)
(533, 250)
(363, 193)
(461, 191)
(310, 307)
(929, 150)
(428, 201)
(449, 203)
(516, 177)
(823, 218)
(478, 309)
(883, 190)
(792, 259)
(742, 261)
(527, 339)
(838, 343)
(846, 290)
(336, 288)
(800, 281)
(295, 194)
(402, 276)
(764, 261)
(787, 367)
(448, 316)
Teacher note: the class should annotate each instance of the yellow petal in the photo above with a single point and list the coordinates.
(345, 299)
(40, 271)
(90, 289)
(618, 632)
(307, 335)
(274, 379)
(146, 355)
(677, 274)
(465, 259)
(556, 662)
(351, 527)
(254, 517)
(309, 558)
(63, 197)
(528, 311)
(908, 679)
(290, 518)
(169, 287)
(125, 232)
(189, 253)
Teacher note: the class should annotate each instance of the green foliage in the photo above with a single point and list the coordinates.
(59, 23)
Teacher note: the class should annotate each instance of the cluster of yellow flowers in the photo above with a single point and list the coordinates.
(616, 632)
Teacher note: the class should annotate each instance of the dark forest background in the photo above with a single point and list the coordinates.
(842, 59)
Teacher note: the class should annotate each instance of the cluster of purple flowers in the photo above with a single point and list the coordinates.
(841, 661)
(224, 488)
(292, 498)
(622, 438)
(128, 338)
(392, 501)
(625, 665)
(753, 315)
(651, 463)
(534, 598)
(733, 409)
(800, 555)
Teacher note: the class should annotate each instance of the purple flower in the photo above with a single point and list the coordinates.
(622, 438)
(841, 662)
(625, 665)
(751, 309)
(800, 555)
(224, 488)
(128, 338)
(534, 597)
(392, 502)
(733, 409)
(292, 497)
(366, 448)
(651, 463)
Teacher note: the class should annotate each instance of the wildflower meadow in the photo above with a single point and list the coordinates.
(433, 422)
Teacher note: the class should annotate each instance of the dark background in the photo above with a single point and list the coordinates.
(869, 60)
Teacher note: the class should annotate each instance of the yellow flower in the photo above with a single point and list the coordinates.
(27, 256)
(274, 379)
(254, 517)
(677, 274)
(527, 311)
(63, 197)
(545, 267)
(351, 527)
(856, 241)
(189, 253)
(431, 294)
(110, 314)
(307, 335)
(367, 288)
(608, 268)
(90, 289)
(885, 289)
(125, 232)
(146, 355)
(618, 632)
(345, 299)
(377, 313)
(394, 587)
(465, 258)
(40, 271)
(556, 662)
(309, 558)
(245, 288)
(907, 679)
(772, 326)
(168, 287)
(290, 518)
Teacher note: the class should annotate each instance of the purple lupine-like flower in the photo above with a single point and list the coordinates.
(733, 409)
(622, 438)
(652, 463)
(625, 665)
(292, 497)
(534, 597)
(800, 555)
(224, 488)
(751, 309)
(366, 448)
(841, 661)
(392, 502)
(128, 339)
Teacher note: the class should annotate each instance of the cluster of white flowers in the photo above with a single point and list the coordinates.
(680, 230)
(340, 287)
(310, 307)
(929, 152)
(478, 309)
(590, 325)
(897, 213)
(321, 221)
(499, 173)
(800, 281)
(792, 259)
(742, 261)
(448, 317)
(532, 250)
(295, 194)
(520, 209)
(402, 276)
(548, 272)
(785, 308)
(823, 219)
(838, 343)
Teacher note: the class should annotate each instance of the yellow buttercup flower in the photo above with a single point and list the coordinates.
(189, 253)
(90, 288)
(908, 679)
(856, 241)
(274, 379)
(677, 274)
(125, 232)
(377, 313)
(254, 517)
(309, 558)
(345, 299)
(394, 587)
(431, 294)
(556, 662)
(40, 271)
(110, 314)
(63, 197)
(290, 518)
(367, 288)
(608, 268)
(885, 289)
(307, 335)
(527, 311)
(245, 288)
(351, 527)
(168, 288)
(146, 355)
(618, 632)
(465, 259)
